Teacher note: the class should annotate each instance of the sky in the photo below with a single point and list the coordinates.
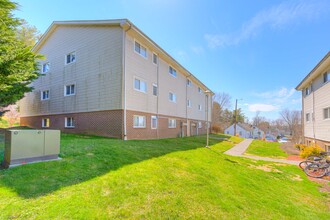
(257, 51)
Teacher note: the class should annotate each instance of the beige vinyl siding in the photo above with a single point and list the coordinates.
(144, 69)
(96, 72)
(321, 96)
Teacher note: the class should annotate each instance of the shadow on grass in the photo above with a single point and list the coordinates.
(86, 157)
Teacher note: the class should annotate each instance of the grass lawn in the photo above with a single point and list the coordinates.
(266, 149)
(101, 178)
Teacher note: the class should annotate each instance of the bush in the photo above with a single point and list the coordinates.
(216, 129)
(311, 151)
(300, 146)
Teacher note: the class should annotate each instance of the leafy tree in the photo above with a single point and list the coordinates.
(18, 66)
(27, 33)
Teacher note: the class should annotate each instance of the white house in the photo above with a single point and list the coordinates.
(245, 131)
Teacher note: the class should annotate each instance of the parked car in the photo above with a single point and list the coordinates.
(283, 140)
(269, 139)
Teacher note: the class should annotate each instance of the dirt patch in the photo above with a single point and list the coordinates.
(295, 158)
(289, 148)
(266, 168)
(296, 178)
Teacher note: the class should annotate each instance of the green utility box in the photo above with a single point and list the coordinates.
(26, 146)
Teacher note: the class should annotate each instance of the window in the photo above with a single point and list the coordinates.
(154, 89)
(326, 113)
(327, 148)
(154, 58)
(69, 122)
(69, 90)
(171, 123)
(326, 77)
(189, 103)
(172, 97)
(70, 58)
(188, 82)
(154, 122)
(307, 117)
(139, 121)
(140, 85)
(200, 107)
(307, 91)
(199, 90)
(45, 67)
(45, 122)
(140, 49)
(45, 95)
(199, 124)
(172, 71)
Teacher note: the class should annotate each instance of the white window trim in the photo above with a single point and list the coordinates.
(154, 54)
(154, 85)
(174, 101)
(201, 107)
(152, 117)
(326, 119)
(141, 45)
(66, 123)
(42, 67)
(307, 121)
(74, 89)
(189, 103)
(176, 72)
(65, 58)
(41, 95)
(140, 85)
(43, 124)
(328, 77)
(200, 124)
(189, 82)
(145, 121)
(200, 90)
(169, 123)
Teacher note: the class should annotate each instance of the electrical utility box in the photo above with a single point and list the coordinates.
(27, 146)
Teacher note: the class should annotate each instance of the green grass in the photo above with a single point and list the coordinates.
(101, 178)
(266, 149)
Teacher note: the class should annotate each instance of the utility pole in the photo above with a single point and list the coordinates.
(207, 118)
(235, 118)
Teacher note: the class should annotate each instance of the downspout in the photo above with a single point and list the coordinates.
(313, 117)
(157, 110)
(126, 27)
(303, 117)
(187, 78)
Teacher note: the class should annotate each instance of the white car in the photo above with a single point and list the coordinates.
(283, 140)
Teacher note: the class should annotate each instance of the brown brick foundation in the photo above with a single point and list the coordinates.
(102, 123)
(110, 124)
(323, 144)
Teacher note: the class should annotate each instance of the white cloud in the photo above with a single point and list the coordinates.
(276, 17)
(262, 107)
(279, 95)
(199, 50)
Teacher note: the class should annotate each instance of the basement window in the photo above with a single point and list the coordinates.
(139, 121)
(171, 123)
(45, 122)
(69, 122)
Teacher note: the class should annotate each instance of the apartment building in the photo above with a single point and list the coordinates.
(108, 78)
(315, 88)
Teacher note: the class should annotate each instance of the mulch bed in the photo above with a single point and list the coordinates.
(289, 148)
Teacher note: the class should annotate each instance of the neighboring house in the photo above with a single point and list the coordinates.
(245, 130)
(108, 78)
(315, 89)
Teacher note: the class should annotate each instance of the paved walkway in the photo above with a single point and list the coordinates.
(239, 149)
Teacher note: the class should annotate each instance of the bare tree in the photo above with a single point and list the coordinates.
(293, 120)
(256, 119)
(221, 102)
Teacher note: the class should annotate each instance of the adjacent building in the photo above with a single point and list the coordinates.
(108, 78)
(315, 88)
(245, 130)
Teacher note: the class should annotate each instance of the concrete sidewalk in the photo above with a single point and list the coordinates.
(239, 149)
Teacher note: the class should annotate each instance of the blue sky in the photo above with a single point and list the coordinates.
(257, 51)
